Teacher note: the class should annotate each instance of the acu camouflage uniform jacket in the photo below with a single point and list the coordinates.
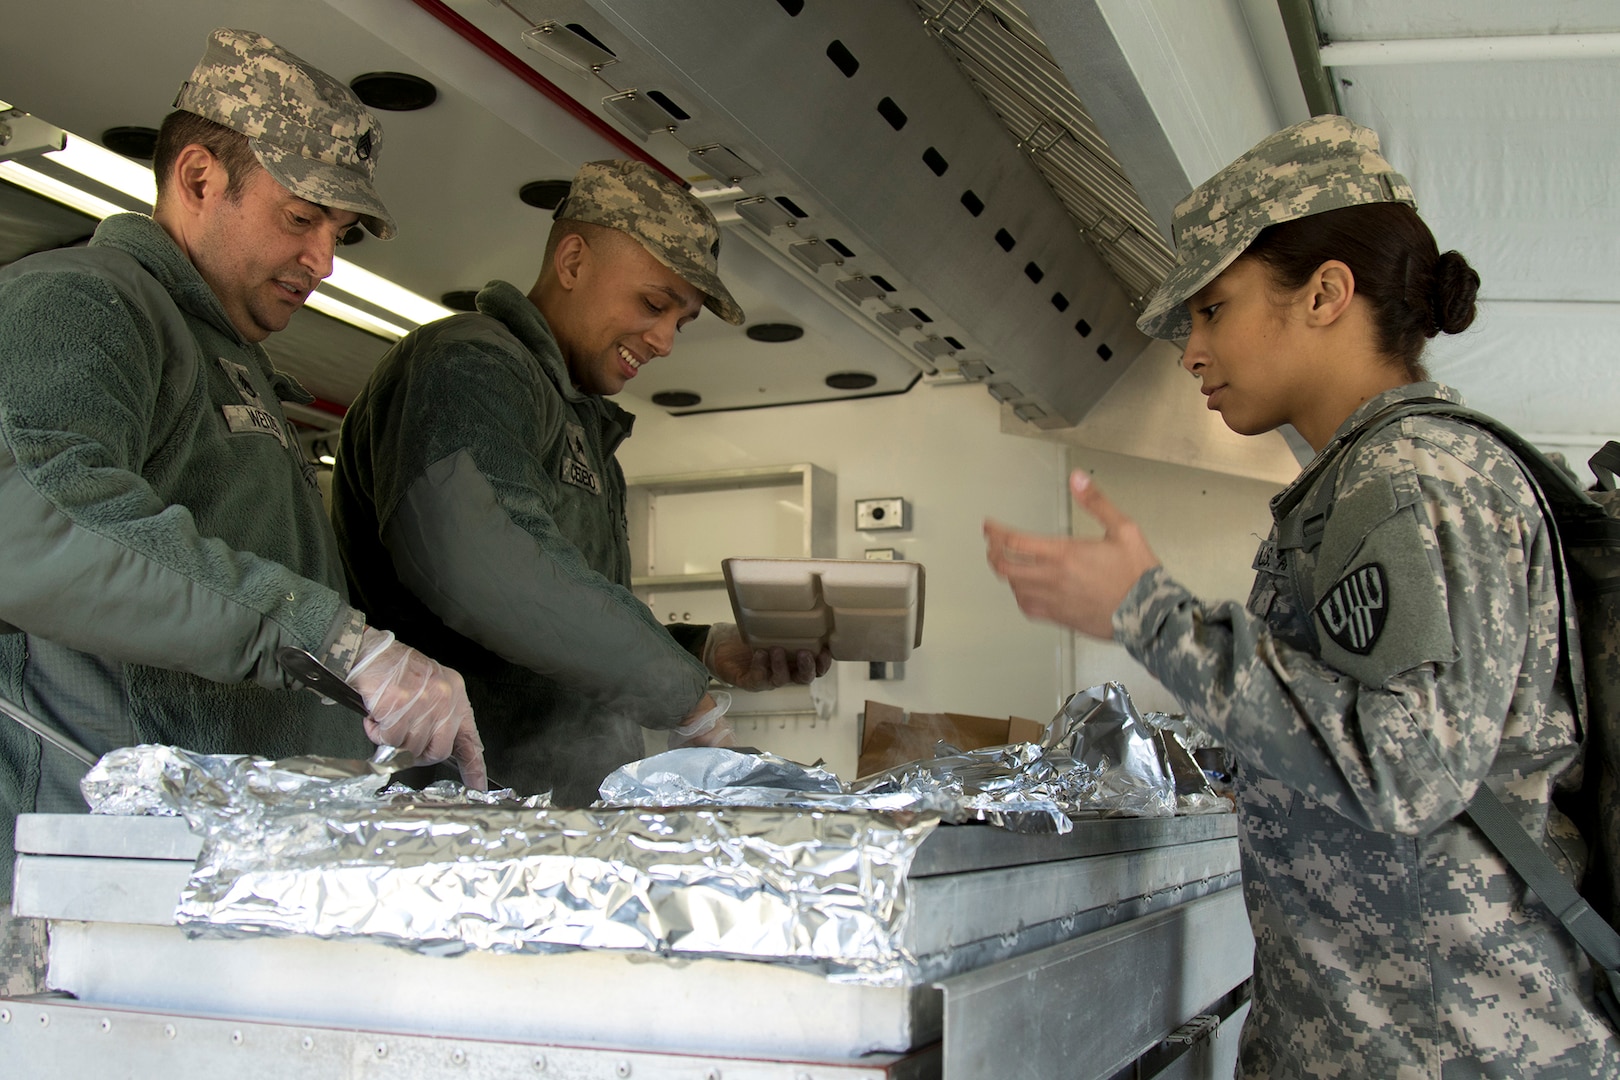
(1420, 661)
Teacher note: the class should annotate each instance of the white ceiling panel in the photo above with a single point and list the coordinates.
(1378, 20)
(730, 371)
(1515, 165)
(1544, 369)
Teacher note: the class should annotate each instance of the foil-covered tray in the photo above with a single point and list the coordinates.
(697, 852)
(321, 847)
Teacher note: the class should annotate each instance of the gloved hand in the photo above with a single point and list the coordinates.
(706, 724)
(734, 661)
(417, 703)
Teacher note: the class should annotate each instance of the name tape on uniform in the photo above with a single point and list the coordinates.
(252, 419)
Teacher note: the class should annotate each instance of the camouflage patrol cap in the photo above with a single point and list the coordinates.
(1324, 163)
(309, 131)
(668, 220)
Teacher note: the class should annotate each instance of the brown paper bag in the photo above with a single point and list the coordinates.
(893, 738)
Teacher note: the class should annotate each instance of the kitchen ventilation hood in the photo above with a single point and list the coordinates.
(875, 148)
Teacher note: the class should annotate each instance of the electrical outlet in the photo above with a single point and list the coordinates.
(873, 514)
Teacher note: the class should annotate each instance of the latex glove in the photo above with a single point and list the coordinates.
(1073, 582)
(734, 661)
(706, 724)
(417, 703)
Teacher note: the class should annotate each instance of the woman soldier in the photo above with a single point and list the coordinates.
(1391, 657)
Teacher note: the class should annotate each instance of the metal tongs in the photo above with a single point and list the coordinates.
(43, 730)
(320, 678)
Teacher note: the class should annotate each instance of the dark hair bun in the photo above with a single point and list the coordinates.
(1456, 284)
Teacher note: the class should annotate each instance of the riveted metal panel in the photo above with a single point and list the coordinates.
(50, 1039)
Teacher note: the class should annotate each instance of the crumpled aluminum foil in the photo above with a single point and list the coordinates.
(1101, 728)
(1179, 740)
(717, 776)
(320, 847)
(1099, 758)
(1022, 788)
(695, 774)
(167, 781)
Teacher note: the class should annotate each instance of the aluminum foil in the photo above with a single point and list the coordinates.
(717, 776)
(322, 847)
(1022, 788)
(696, 774)
(166, 780)
(1099, 758)
(700, 851)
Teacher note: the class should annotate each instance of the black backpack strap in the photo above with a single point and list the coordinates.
(1301, 528)
(1305, 530)
(1570, 514)
(1586, 926)
(1606, 465)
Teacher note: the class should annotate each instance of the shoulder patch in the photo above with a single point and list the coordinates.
(1354, 610)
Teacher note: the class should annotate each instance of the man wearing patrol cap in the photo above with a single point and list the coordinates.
(481, 513)
(164, 537)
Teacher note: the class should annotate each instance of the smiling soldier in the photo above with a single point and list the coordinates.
(481, 512)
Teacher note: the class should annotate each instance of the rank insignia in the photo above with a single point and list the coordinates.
(576, 467)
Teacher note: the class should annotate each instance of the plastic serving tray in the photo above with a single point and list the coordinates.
(859, 609)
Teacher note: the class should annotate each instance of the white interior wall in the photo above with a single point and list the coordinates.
(1154, 411)
(941, 449)
(1204, 527)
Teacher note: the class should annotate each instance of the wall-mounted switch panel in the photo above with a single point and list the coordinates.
(882, 514)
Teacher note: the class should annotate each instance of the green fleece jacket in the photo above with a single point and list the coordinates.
(163, 535)
(481, 516)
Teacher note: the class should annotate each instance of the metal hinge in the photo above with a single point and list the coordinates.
(1199, 1027)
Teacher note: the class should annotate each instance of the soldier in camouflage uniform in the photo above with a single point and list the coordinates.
(163, 533)
(1391, 657)
(481, 512)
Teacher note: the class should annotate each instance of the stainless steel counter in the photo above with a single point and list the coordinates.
(1039, 956)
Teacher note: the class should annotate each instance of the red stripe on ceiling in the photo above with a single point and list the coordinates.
(497, 52)
(330, 407)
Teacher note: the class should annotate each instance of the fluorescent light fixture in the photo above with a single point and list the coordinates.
(135, 180)
(327, 459)
(380, 292)
(105, 167)
(55, 190)
(352, 315)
